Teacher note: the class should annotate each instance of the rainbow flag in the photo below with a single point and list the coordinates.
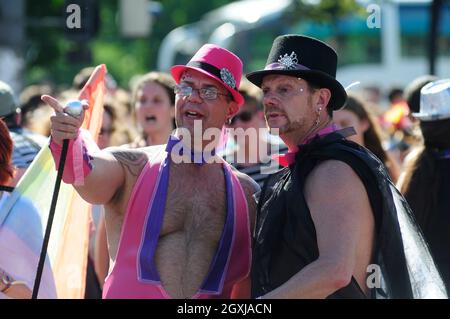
(65, 271)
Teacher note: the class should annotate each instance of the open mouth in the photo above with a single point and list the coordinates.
(193, 115)
(273, 115)
(150, 119)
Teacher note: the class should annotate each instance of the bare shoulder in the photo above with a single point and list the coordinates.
(248, 184)
(333, 177)
(334, 189)
(250, 188)
(133, 160)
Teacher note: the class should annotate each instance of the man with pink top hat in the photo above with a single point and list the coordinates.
(333, 225)
(178, 218)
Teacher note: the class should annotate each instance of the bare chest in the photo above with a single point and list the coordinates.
(195, 202)
(192, 226)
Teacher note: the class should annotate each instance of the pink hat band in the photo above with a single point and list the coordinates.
(218, 64)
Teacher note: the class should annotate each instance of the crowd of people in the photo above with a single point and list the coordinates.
(354, 184)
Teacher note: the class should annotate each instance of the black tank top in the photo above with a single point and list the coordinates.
(285, 238)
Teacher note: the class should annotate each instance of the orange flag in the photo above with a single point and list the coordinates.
(71, 259)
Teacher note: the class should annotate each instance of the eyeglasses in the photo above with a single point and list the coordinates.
(208, 93)
(244, 116)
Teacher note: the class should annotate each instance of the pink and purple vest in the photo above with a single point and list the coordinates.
(134, 273)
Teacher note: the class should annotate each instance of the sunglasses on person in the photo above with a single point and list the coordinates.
(208, 93)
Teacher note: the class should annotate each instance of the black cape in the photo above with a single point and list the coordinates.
(285, 238)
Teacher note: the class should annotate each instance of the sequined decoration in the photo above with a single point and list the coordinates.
(227, 78)
(288, 61)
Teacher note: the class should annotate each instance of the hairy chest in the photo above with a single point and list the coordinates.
(195, 203)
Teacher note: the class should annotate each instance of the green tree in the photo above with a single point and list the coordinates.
(51, 55)
(326, 10)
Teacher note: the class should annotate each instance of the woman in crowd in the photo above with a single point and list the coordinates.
(153, 99)
(368, 133)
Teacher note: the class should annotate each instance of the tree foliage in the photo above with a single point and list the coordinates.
(326, 10)
(51, 55)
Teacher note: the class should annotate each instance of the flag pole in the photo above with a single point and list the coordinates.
(73, 108)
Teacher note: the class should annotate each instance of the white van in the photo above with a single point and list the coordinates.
(391, 55)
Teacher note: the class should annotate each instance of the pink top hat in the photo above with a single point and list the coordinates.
(218, 64)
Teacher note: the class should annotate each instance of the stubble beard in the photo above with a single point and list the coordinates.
(298, 126)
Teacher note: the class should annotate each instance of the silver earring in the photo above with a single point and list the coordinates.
(318, 116)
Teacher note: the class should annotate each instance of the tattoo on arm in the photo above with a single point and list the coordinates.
(131, 160)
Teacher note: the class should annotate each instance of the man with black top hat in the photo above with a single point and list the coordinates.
(333, 225)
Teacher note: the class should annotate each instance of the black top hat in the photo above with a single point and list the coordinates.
(307, 58)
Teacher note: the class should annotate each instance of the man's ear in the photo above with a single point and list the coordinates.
(324, 97)
(233, 108)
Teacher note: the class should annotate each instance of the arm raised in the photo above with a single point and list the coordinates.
(105, 174)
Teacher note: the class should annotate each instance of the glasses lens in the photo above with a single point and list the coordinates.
(182, 90)
(208, 93)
